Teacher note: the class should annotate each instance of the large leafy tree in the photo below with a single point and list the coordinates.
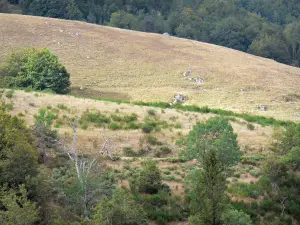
(36, 68)
(217, 133)
(215, 146)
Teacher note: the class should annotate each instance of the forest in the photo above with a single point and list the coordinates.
(267, 28)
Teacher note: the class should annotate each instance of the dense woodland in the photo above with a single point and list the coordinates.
(268, 28)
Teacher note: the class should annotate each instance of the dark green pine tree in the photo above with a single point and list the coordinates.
(72, 11)
(207, 194)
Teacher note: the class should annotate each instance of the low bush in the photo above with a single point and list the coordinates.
(128, 151)
(151, 112)
(114, 126)
(255, 173)
(62, 107)
(147, 128)
(252, 159)
(178, 125)
(250, 126)
(10, 93)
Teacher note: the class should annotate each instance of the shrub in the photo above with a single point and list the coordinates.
(147, 128)
(62, 106)
(120, 209)
(36, 68)
(130, 118)
(10, 93)
(114, 126)
(152, 140)
(254, 173)
(151, 112)
(84, 125)
(95, 117)
(250, 126)
(252, 159)
(149, 180)
(9, 106)
(127, 151)
(45, 116)
(177, 125)
(133, 125)
(58, 124)
(165, 149)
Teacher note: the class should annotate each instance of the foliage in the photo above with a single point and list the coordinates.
(206, 195)
(149, 180)
(4, 6)
(286, 139)
(215, 133)
(250, 126)
(10, 93)
(18, 157)
(16, 209)
(232, 216)
(45, 117)
(36, 68)
(121, 209)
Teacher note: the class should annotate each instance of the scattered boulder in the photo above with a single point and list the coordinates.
(187, 73)
(262, 107)
(178, 98)
(198, 80)
(167, 34)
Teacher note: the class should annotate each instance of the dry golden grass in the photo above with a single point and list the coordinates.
(111, 62)
(29, 103)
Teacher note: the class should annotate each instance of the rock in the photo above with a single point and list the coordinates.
(178, 98)
(167, 34)
(262, 107)
(81, 88)
(198, 80)
(88, 57)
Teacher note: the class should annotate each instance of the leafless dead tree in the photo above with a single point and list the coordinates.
(83, 165)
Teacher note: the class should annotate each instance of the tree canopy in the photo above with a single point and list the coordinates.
(35, 68)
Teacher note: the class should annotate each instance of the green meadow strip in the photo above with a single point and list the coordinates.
(262, 120)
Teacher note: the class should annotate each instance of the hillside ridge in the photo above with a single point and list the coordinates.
(111, 62)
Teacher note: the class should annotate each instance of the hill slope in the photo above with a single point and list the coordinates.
(111, 62)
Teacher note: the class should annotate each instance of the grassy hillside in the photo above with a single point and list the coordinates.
(110, 62)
